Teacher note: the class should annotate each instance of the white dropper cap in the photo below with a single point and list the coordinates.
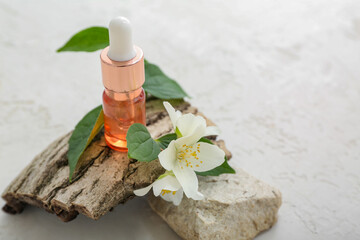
(121, 44)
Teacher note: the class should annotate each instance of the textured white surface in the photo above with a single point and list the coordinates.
(281, 78)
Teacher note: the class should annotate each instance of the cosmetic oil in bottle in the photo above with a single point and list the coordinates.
(123, 75)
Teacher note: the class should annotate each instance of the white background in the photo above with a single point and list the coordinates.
(281, 78)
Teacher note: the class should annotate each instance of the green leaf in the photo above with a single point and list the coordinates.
(164, 141)
(88, 127)
(223, 168)
(160, 85)
(87, 40)
(206, 140)
(140, 144)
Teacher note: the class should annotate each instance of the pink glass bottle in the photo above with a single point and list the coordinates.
(123, 75)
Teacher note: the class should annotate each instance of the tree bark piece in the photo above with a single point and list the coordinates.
(104, 179)
(236, 206)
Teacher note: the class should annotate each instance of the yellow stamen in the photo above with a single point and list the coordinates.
(164, 191)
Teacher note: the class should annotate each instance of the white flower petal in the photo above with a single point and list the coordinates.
(188, 123)
(188, 180)
(190, 139)
(178, 197)
(174, 115)
(169, 183)
(212, 131)
(174, 196)
(206, 157)
(167, 157)
(143, 191)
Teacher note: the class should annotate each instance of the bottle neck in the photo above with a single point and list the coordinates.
(123, 96)
(123, 76)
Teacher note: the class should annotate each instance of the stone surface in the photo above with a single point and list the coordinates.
(237, 206)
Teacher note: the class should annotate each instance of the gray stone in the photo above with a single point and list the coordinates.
(236, 206)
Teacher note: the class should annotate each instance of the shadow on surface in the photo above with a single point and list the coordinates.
(134, 220)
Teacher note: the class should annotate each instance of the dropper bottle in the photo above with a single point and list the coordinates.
(122, 65)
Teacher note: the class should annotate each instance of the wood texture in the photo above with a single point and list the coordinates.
(104, 178)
